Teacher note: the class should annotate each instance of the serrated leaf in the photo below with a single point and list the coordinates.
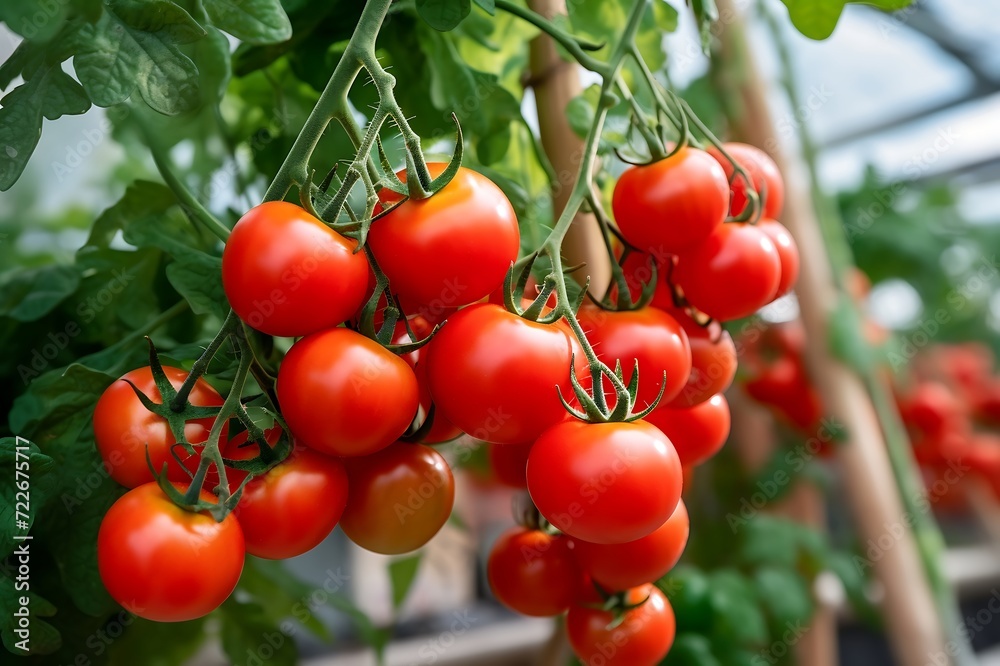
(253, 21)
(246, 628)
(402, 574)
(50, 93)
(443, 15)
(198, 278)
(134, 45)
(37, 22)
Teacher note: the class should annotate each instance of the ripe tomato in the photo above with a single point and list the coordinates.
(398, 498)
(785, 386)
(713, 363)
(494, 374)
(764, 175)
(164, 563)
(124, 430)
(344, 394)
(732, 274)
(287, 273)
(509, 463)
(293, 506)
(671, 205)
(696, 432)
(533, 573)
(451, 249)
(621, 566)
(642, 639)
(604, 482)
(647, 335)
(788, 253)
(638, 272)
(441, 429)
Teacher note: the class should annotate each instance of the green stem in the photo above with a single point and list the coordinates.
(190, 203)
(566, 40)
(201, 364)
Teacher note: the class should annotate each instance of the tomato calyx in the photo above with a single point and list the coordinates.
(625, 396)
(419, 184)
(616, 603)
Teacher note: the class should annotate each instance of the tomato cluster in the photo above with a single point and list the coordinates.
(362, 400)
(951, 407)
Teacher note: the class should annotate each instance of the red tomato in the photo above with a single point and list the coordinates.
(451, 249)
(788, 253)
(509, 463)
(441, 429)
(785, 387)
(125, 430)
(621, 566)
(533, 573)
(671, 205)
(293, 506)
(344, 394)
(604, 482)
(398, 499)
(649, 336)
(732, 274)
(643, 639)
(764, 175)
(164, 563)
(287, 273)
(638, 272)
(698, 432)
(494, 374)
(713, 364)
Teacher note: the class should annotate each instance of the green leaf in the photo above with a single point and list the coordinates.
(29, 295)
(691, 649)
(737, 618)
(706, 13)
(198, 278)
(43, 637)
(247, 631)
(491, 148)
(847, 340)
(135, 45)
(34, 471)
(489, 6)
(817, 19)
(253, 21)
(35, 21)
(687, 588)
(159, 643)
(402, 574)
(443, 15)
(283, 596)
(769, 540)
(580, 111)
(785, 597)
(50, 93)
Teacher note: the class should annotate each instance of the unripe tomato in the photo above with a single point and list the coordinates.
(164, 563)
(673, 204)
(344, 394)
(494, 374)
(697, 432)
(533, 573)
(604, 482)
(287, 273)
(125, 430)
(713, 363)
(788, 253)
(764, 175)
(398, 499)
(643, 638)
(734, 273)
(293, 506)
(648, 336)
(620, 566)
(451, 249)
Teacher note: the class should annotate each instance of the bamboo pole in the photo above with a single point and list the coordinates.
(910, 613)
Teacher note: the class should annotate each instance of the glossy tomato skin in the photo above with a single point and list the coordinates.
(124, 430)
(788, 253)
(647, 335)
(494, 374)
(343, 394)
(671, 205)
(734, 273)
(604, 482)
(398, 499)
(533, 573)
(509, 463)
(622, 566)
(643, 639)
(164, 563)
(287, 273)
(713, 364)
(764, 175)
(698, 432)
(441, 429)
(293, 506)
(451, 249)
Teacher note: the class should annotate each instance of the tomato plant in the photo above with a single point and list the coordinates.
(534, 573)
